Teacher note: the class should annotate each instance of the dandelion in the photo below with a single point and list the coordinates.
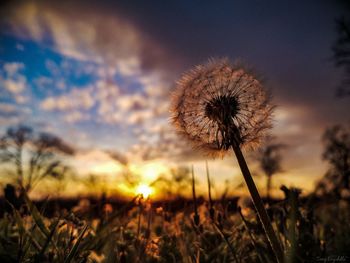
(219, 107)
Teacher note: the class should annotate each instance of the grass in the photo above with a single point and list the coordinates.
(140, 231)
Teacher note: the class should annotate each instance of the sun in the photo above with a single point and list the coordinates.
(144, 190)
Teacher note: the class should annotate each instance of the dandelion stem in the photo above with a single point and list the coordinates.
(259, 206)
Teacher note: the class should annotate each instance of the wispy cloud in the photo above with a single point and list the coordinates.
(86, 35)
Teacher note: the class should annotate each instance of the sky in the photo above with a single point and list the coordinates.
(100, 75)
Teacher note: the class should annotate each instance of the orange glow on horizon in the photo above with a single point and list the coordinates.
(144, 190)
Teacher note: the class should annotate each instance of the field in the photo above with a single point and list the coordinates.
(142, 231)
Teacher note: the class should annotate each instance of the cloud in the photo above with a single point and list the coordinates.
(131, 102)
(14, 120)
(129, 66)
(13, 82)
(11, 114)
(139, 116)
(114, 45)
(87, 35)
(12, 68)
(160, 141)
(113, 106)
(118, 157)
(76, 116)
(19, 47)
(8, 110)
(43, 82)
(75, 99)
(14, 86)
(96, 161)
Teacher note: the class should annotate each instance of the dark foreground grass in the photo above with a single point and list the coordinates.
(309, 229)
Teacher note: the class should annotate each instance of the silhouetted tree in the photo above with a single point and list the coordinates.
(337, 152)
(341, 49)
(33, 155)
(269, 157)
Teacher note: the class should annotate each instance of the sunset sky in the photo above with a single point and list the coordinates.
(99, 74)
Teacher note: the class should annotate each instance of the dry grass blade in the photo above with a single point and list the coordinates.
(74, 249)
(47, 241)
(38, 219)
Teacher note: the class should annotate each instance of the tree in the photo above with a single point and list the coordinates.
(337, 152)
(34, 156)
(341, 50)
(269, 158)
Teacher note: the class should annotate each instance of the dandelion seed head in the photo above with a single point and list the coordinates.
(218, 104)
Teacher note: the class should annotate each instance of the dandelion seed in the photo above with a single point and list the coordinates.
(217, 105)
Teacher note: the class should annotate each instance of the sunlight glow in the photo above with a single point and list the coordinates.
(149, 170)
(144, 190)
